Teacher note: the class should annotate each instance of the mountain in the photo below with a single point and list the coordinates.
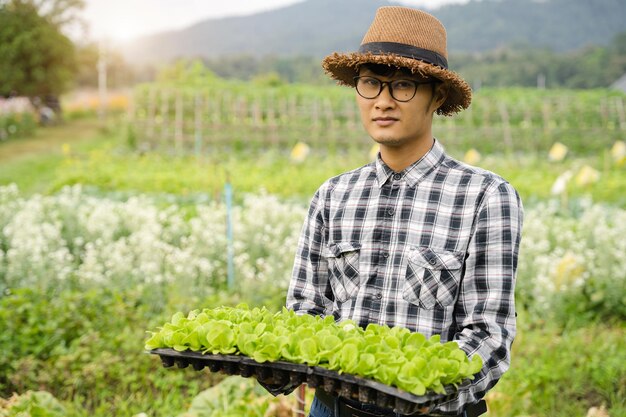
(318, 27)
(562, 25)
(313, 28)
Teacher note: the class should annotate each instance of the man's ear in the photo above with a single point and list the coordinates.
(441, 94)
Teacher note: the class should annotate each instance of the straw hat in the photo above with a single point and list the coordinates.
(408, 38)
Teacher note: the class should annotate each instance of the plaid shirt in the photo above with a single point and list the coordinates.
(432, 248)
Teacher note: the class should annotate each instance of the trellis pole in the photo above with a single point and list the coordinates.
(230, 247)
(198, 125)
(178, 121)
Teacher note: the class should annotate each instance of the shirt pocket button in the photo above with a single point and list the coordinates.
(432, 277)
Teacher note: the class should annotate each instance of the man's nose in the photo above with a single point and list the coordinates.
(385, 99)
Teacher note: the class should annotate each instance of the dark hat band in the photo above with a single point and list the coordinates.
(406, 51)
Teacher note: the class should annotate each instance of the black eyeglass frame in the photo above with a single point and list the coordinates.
(382, 83)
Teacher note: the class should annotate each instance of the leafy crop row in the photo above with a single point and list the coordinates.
(391, 355)
(499, 120)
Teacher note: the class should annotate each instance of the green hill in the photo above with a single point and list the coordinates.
(317, 27)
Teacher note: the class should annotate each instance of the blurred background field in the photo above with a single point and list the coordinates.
(114, 211)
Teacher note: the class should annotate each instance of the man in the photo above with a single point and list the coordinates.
(414, 239)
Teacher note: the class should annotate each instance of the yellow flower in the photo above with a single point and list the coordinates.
(300, 152)
(567, 271)
(557, 153)
(118, 102)
(618, 152)
(587, 176)
(65, 148)
(374, 151)
(472, 157)
(93, 103)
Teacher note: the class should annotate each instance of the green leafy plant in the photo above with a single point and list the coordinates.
(32, 403)
(391, 355)
(237, 397)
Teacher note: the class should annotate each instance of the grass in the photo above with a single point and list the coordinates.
(564, 372)
(32, 161)
(80, 152)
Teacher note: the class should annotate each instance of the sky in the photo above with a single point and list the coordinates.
(121, 20)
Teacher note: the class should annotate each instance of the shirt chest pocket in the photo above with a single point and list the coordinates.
(432, 277)
(343, 269)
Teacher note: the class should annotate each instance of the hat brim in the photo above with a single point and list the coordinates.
(344, 67)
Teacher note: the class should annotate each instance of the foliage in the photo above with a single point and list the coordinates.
(533, 175)
(32, 403)
(572, 266)
(393, 356)
(189, 175)
(561, 367)
(560, 373)
(562, 25)
(118, 72)
(36, 59)
(237, 397)
(82, 341)
(32, 160)
(524, 65)
(54, 336)
(521, 64)
(195, 113)
(569, 257)
(17, 118)
(292, 69)
(84, 347)
(527, 120)
(187, 73)
(74, 238)
(59, 12)
(555, 372)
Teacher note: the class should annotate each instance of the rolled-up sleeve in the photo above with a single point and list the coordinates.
(485, 310)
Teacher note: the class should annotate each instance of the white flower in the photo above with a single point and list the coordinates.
(560, 185)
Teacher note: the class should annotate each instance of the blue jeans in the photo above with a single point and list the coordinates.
(318, 409)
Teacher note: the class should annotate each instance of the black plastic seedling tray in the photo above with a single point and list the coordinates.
(289, 375)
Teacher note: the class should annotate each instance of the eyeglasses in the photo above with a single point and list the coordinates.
(401, 90)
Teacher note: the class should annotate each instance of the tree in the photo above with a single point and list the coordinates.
(58, 12)
(36, 59)
(119, 73)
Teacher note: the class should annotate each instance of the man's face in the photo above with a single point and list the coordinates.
(394, 123)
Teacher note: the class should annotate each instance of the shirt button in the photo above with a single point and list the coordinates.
(390, 211)
(432, 261)
(385, 254)
(379, 295)
(397, 177)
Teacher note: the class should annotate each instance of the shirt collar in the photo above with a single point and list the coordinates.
(414, 173)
